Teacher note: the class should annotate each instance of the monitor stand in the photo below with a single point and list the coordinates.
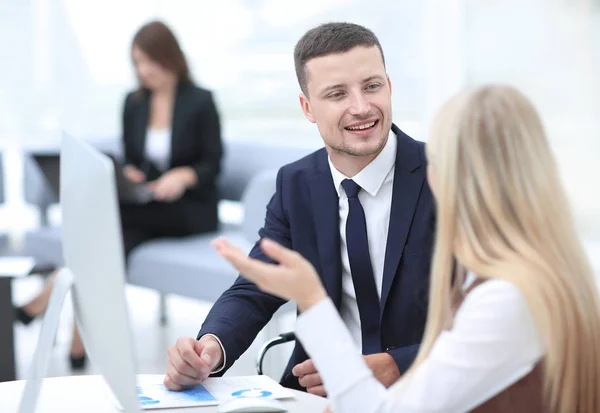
(39, 367)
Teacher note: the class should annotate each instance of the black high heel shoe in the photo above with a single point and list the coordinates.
(77, 362)
(23, 316)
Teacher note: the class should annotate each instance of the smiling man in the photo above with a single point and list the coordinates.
(359, 210)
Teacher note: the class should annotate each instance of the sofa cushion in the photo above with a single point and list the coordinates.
(187, 266)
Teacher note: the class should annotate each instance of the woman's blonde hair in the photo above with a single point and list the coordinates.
(503, 214)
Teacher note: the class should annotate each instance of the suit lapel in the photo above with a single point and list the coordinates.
(405, 195)
(325, 210)
(177, 121)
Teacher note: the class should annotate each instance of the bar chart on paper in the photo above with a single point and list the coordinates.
(153, 394)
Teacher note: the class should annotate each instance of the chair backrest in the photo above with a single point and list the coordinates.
(41, 186)
(41, 170)
(257, 195)
(244, 159)
(241, 161)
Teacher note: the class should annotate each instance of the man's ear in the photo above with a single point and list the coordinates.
(306, 109)
(389, 83)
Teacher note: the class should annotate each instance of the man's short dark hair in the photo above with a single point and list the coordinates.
(330, 38)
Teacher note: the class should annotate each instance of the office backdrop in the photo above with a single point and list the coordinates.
(66, 65)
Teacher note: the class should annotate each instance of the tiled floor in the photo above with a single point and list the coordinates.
(185, 318)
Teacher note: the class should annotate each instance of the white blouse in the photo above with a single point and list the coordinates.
(493, 344)
(158, 147)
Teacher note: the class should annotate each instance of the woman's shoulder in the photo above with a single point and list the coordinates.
(499, 307)
(194, 91)
(195, 98)
(496, 293)
(134, 97)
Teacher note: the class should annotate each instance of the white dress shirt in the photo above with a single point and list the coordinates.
(376, 181)
(158, 147)
(492, 344)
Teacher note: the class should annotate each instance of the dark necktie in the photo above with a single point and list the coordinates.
(357, 244)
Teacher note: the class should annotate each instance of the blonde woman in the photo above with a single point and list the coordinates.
(518, 329)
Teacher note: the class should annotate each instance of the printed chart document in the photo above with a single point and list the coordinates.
(16, 266)
(154, 395)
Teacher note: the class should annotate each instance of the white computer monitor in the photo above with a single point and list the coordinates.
(93, 251)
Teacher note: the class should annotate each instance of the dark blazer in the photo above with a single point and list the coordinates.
(304, 215)
(195, 137)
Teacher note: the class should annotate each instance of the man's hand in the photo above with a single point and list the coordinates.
(309, 377)
(191, 361)
(384, 368)
(382, 365)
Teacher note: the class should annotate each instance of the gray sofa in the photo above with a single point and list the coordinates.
(189, 266)
(185, 266)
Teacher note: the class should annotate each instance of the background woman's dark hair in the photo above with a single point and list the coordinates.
(160, 44)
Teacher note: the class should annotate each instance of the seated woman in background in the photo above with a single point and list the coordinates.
(518, 329)
(172, 144)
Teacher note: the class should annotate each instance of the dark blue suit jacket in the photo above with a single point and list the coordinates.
(304, 215)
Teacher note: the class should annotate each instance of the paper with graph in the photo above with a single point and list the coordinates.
(154, 395)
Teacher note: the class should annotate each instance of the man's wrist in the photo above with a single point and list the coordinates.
(384, 368)
(221, 365)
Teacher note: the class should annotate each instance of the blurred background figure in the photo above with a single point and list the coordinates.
(172, 142)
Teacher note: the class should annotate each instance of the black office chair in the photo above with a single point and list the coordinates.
(280, 339)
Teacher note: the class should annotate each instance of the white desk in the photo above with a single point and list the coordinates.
(78, 394)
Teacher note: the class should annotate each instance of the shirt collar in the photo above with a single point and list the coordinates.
(371, 177)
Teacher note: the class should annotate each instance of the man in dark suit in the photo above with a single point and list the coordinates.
(359, 210)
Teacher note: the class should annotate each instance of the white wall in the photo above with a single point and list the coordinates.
(550, 49)
(70, 64)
